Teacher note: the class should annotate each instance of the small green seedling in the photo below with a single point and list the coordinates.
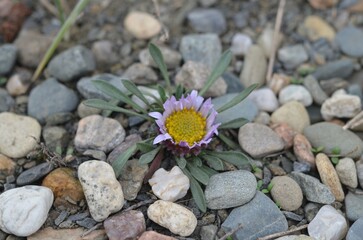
(317, 149)
(2, 81)
(268, 189)
(304, 71)
(255, 169)
(296, 81)
(278, 204)
(335, 153)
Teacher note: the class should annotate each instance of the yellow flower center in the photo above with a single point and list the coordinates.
(186, 125)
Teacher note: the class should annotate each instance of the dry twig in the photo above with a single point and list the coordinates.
(357, 120)
(280, 234)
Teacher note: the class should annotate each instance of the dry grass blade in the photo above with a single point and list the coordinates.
(280, 234)
(354, 122)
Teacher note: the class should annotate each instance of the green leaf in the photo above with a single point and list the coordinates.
(114, 92)
(120, 162)
(145, 146)
(231, 144)
(259, 184)
(134, 90)
(236, 123)
(270, 186)
(162, 93)
(197, 191)
(236, 158)
(335, 160)
(181, 162)
(114, 102)
(237, 99)
(218, 70)
(197, 161)
(214, 162)
(197, 173)
(265, 191)
(209, 171)
(159, 60)
(101, 104)
(179, 92)
(335, 150)
(149, 156)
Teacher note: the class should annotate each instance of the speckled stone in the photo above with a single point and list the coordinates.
(287, 193)
(302, 150)
(347, 172)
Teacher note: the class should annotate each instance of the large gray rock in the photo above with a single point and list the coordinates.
(349, 41)
(330, 135)
(337, 69)
(8, 53)
(356, 230)
(259, 217)
(354, 206)
(207, 21)
(254, 67)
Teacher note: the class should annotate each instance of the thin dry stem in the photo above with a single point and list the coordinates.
(357, 120)
(50, 7)
(280, 234)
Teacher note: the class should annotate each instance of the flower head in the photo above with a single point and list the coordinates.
(186, 125)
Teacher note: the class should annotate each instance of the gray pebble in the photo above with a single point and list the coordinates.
(355, 231)
(8, 53)
(349, 41)
(293, 56)
(313, 86)
(354, 206)
(337, 69)
(6, 101)
(34, 174)
(207, 21)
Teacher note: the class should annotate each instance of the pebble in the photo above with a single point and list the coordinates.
(6, 101)
(102, 190)
(99, 133)
(31, 47)
(301, 167)
(95, 154)
(71, 64)
(104, 53)
(125, 225)
(85, 111)
(347, 39)
(260, 217)
(23, 210)
(233, 83)
(354, 206)
(207, 20)
(341, 106)
(292, 56)
(310, 210)
(240, 44)
(347, 172)
(335, 69)
(287, 193)
(151, 235)
(147, 92)
(359, 166)
(88, 90)
(7, 167)
(51, 97)
(142, 25)
(55, 137)
(19, 134)
(329, 176)
(264, 118)
(265, 41)
(8, 54)
(302, 150)
(139, 73)
(314, 27)
(328, 224)
(294, 114)
(259, 140)
(285, 132)
(64, 184)
(313, 86)
(67, 234)
(356, 230)
(131, 177)
(230, 189)
(19, 83)
(323, 4)
(265, 99)
(164, 212)
(169, 185)
(208, 232)
(295, 93)
(329, 136)
(171, 57)
(313, 189)
(34, 174)
(254, 67)
(278, 82)
(129, 141)
(194, 75)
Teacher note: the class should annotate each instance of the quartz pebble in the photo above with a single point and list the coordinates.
(169, 185)
(341, 106)
(314, 27)
(265, 99)
(347, 172)
(356, 230)
(287, 193)
(142, 25)
(328, 224)
(302, 150)
(240, 44)
(172, 216)
(23, 210)
(102, 190)
(19, 83)
(295, 93)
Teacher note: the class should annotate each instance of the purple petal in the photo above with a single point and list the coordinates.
(155, 115)
(211, 118)
(161, 137)
(211, 131)
(206, 107)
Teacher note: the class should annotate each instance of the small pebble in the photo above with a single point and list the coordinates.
(286, 133)
(314, 27)
(347, 172)
(139, 73)
(265, 99)
(33, 174)
(292, 56)
(254, 67)
(287, 193)
(302, 150)
(8, 54)
(353, 206)
(240, 44)
(207, 20)
(142, 25)
(341, 106)
(295, 93)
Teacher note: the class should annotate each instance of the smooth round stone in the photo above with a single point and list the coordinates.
(254, 67)
(207, 20)
(152, 235)
(105, 54)
(71, 64)
(314, 27)
(328, 224)
(347, 39)
(8, 53)
(341, 106)
(102, 190)
(230, 189)
(34, 174)
(85, 111)
(7, 167)
(287, 193)
(292, 56)
(99, 133)
(265, 41)
(294, 114)
(342, 68)
(347, 172)
(19, 134)
(313, 86)
(139, 73)
(169, 185)
(295, 93)
(259, 140)
(171, 57)
(329, 176)
(240, 44)
(19, 83)
(6, 101)
(285, 132)
(359, 166)
(302, 150)
(265, 99)
(354, 206)
(178, 219)
(142, 25)
(329, 136)
(23, 210)
(356, 230)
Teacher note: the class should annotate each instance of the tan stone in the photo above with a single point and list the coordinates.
(67, 234)
(278, 82)
(315, 27)
(323, 4)
(286, 133)
(287, 193)
(142, 25)
(151, 235)
(7, 167)
(302, 150)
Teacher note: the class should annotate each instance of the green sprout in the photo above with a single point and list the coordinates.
(334, 158)
(317, 149)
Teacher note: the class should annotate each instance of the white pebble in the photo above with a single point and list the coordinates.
(265, 99)
(295, 93)
(169, 186)
(24, 210)
(240, 44)
(146, 91)
(341, 106)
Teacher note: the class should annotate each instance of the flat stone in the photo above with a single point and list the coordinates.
(102, 190)
(8, 54)
(302, 150)
(287, 193)
(347, 39)
(336, 69)
(151, 235)
(33, 174)
(67, 234)
(71, 64)
(171, 57)
(19, 134)
(294, 114)
(207, 20)
(328, 224)
(314, 27)
(139, 73)
(30, 205)
(51, 97)
(313, 189)
(230, 189)
(142, 25)
(329, 136)
(99, 133)
(347, 172)
(265, 99)
(295, 93)
(356, 230)
(7, 167)
(259, 140)
(259, 217)
(313, 86)
(354, 206)
(240, 44)
(6, 101)
(164, 213)
(254, 67)
(292, 56)
(341, 106)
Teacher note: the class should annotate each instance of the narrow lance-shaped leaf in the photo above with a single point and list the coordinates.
(218, 70)
(209, 171)
(231, 144)
(145, 146)
(159, 60)
(235, 123)
(120, 162)
(162, 93)
(149, 156)
(107, 113)
(237, 99)
(238, 159)
(197, 173)
(197, 191)
(181, 162)
(134, 90)
(214, 162)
